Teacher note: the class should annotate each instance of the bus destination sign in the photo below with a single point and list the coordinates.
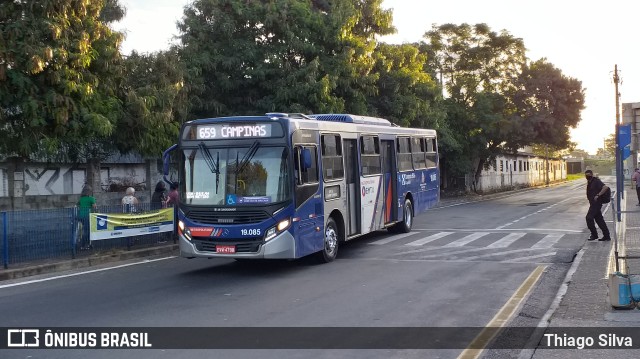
(219, 132)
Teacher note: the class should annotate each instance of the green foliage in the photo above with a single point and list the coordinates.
(479, 69)
(497, 101)
(549, 104)
(252, 57)
(405, 93)
(55, 58)
(155, 103)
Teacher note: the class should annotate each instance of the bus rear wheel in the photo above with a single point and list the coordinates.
(407, 219)
(330, 243)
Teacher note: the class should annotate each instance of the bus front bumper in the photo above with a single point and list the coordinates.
(281, 247)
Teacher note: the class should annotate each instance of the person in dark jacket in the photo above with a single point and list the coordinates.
(595, 189)
(159, 199)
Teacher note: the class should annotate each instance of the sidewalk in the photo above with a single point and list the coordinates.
(585, 302)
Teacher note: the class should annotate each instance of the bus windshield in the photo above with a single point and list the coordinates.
(251, 175)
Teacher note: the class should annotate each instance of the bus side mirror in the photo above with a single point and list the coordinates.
(165, 162)
(306, 159)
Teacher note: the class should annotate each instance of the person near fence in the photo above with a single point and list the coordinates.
(159, 198)
(129, 201)
(173, 197)
(595, 189)
(86, 204)
(636, 178)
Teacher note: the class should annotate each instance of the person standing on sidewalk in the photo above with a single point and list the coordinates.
(86, 204)
(636, 178)
(595, 189)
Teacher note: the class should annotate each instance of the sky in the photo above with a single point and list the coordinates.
(584, 39)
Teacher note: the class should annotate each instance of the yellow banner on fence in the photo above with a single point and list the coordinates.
(116, 225)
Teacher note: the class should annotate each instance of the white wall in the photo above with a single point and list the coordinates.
(52, 179)
(504, 173)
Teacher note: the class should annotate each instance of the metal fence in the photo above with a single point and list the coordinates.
(35, 235)
(626, 225)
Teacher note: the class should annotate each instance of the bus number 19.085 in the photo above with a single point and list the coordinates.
(250, 232)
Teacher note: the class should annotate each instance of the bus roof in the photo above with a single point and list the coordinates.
(329, 122)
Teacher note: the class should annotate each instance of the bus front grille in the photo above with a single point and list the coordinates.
(212, 217)
(241, 247)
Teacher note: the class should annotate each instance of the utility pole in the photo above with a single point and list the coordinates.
(619, 169)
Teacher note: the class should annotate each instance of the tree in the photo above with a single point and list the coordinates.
(406, 95)
(252, 57)
(154, 103)
(55, 64)
(479, 70)
(549, 104)
(610, 145)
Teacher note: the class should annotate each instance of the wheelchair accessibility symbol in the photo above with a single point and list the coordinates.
(231, 199)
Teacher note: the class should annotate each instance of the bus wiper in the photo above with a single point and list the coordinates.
(247, 157)
(245, 161)
(214, 166)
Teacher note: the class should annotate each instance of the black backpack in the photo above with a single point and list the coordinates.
(606, 196)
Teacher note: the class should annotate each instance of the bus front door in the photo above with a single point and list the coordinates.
(389, 170)
(352, 176)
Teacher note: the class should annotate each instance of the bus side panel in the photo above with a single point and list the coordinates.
(309, 227)
(427, 192)
(371, 198)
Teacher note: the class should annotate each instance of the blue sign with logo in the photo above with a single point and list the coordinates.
(101, 222)
(231, 199)
(624, 136)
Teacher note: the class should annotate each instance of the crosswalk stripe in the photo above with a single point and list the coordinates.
(454, 252)
(393, 238)
(507, 240)
(429, 239)
(522, 259)
(498, 253)
(548, 241)
(467, 239)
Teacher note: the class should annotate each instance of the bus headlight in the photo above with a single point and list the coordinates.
(283, 225)
(277, 229)
(185, 231)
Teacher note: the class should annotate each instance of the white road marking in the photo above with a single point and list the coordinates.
(429, 239)
(531, 214)
(393, 238)
(498, 230)
(548, 241)
(498, 253)
(461, 251)
(82, 273)
(468, 239)
(507, 240)
(522, 259)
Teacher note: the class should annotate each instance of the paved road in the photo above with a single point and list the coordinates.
(458, 268)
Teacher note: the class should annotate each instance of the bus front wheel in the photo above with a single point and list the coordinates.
(330, 243)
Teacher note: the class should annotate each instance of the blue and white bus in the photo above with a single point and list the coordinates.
(291, 185)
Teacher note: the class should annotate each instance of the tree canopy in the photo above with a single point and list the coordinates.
(66, 88)
(56, 61)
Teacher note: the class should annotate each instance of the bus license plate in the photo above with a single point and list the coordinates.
(226, 249)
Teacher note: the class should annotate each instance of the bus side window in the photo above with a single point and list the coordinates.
(404, 154)
(432, 153)
(305, 174)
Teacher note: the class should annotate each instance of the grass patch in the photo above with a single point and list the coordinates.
(575, 176)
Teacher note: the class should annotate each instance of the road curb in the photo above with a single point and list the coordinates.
(17, 273)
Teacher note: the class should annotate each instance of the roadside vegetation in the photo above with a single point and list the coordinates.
(68, 93)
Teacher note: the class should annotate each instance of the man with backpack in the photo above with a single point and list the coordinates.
(597, 194)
